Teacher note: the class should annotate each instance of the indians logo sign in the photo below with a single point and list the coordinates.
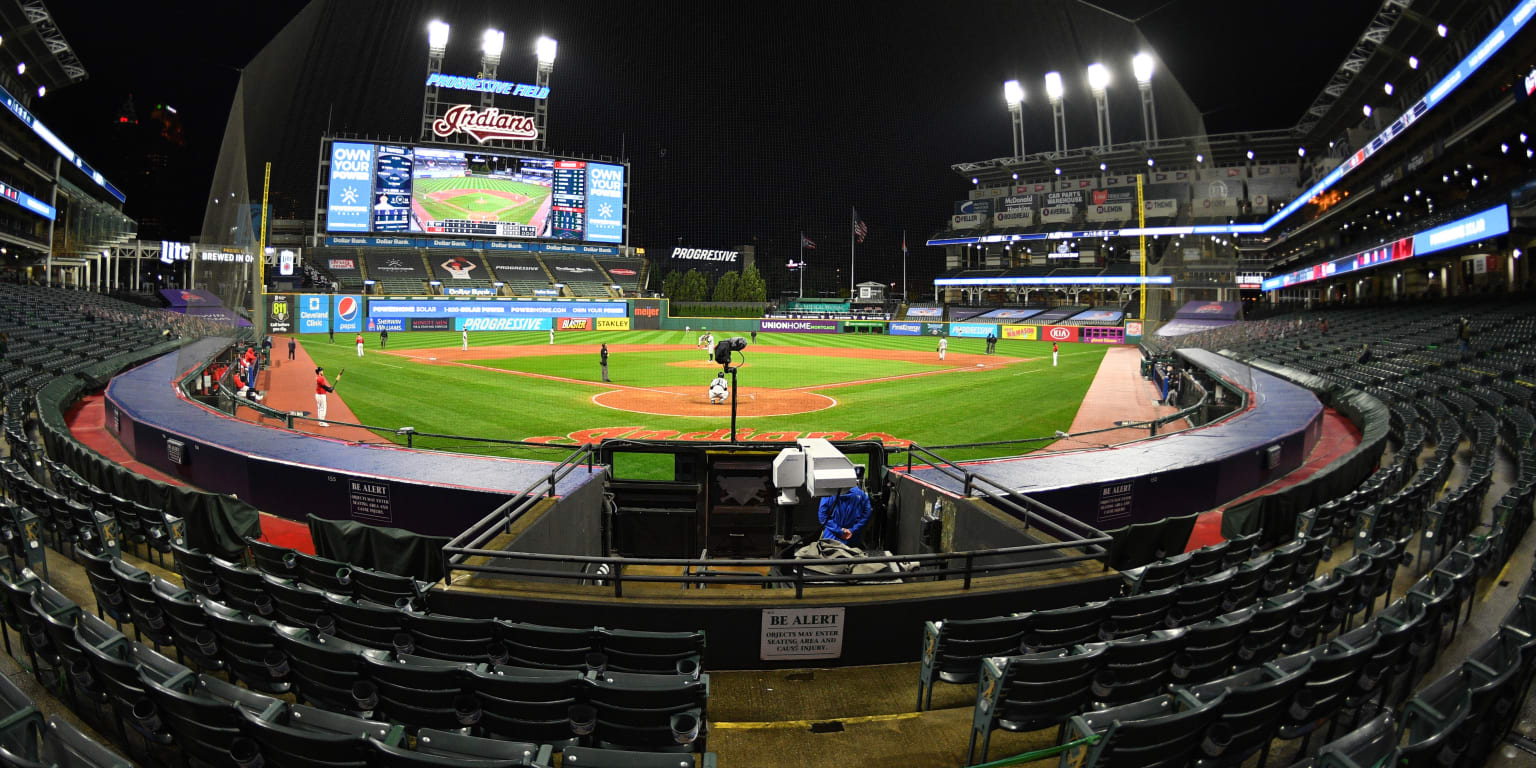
(485, 124)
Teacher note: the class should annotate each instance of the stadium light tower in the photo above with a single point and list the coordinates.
(1098, 82)
(1141, 64)
(1054, 91)
(1013, 93)
(490, 56)
(544, 49)
(437, 44)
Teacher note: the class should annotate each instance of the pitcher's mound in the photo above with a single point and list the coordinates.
(694, 401)
(702, 364)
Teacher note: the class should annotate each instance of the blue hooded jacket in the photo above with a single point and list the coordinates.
(849, 509)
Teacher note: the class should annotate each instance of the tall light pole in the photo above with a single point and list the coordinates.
(437, 44)
(1098, 82)
(545, 48)
(1013, 93)
(490, 56)
(1054, 91)
(1141, 64)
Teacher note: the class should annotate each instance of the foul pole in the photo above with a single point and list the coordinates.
(1141, 224)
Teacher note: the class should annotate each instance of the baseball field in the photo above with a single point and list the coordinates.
(517, 386)
(480, 198)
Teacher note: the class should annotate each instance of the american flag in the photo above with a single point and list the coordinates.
(859, 229)
(805, 242)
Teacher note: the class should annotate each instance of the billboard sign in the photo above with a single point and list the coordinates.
(449, 290)
(573, 324)
(386, 324)
(968, 220)
(1470, 229)
(501, 323)
(1014, 217)
(1058, 333)
(704, 254)
(1026, 332)
(906, 329)
(431, 324)
(348, 313)
(482, 125)
(314, 313)
(605, 203)
(612, 323)
(280, 313)
(647, 314)
(973, 330)
(799, 326)
(351, 187)
(487, 85)
(462, 308)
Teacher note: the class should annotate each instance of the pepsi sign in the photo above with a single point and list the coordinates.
(349, 313)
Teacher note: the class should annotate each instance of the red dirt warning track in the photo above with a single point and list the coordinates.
(693, 400)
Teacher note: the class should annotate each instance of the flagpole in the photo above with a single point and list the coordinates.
(852, 249)
(903, 265)
(801, 268)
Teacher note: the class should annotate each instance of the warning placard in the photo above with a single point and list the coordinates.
(370, 501)
(801, 633)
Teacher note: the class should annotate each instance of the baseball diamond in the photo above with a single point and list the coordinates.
(481, 198)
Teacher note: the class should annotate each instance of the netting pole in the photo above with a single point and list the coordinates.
(1141, 224)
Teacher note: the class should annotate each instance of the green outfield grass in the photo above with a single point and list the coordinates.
(1025, 399)
(470, 201)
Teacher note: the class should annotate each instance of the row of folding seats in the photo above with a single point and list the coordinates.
(29, 739)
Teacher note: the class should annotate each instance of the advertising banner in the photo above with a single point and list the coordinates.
(1058, 333)
(1057, 214)
(314, 313)
(342, 265)
(501, 323)
(449, 290)
(1009, 314)
(906, 329)
(573, 324)
(605, 203)
(1072, 197)
(987, 193)
(1025, 332)
(1112, 196)
(972, 330)
(1103, 336)
(973, 206)
(1098, 316)
(1110, 212)
(933, 329)
(351, 187)
(386, 324)
(1165, 192)
(968, 220)
(1016, 217)
(1133, 328)
(1018, 202)
(1215, 206)
(800, 326)
(647, 315)
(925, 311)
(431, 324)
(348, 313)
(1161, 208)
(280, 312)
(461, 308)
(612, 323)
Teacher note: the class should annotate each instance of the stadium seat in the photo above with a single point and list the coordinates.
(248, 647)
(188, 627)
(1136, 667)
(196, 571)
(1152, 733)
(535, 645)
(953, 649)
(1375, 743)
(139, 588)
(1433, 720)
(304, 737)
(420, 692)
(204, 727)
(65, 746)
(660, 653)
(1031, 691)
(649, 712)
(110, 600)
(385, 588)
(527, 704)
(332, 576)
(294, 603)
(1252, 705)
(454, 639)
(364, 622)
(20, 719)
(615, 758)
(273, 560)
(1134, 614)
(1197, 601)
(324, 669)
(1064, 627)
(1211, 647)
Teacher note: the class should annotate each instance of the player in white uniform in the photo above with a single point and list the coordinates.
(551, 334)
(943, 346)
(718, 389)
(464, 345)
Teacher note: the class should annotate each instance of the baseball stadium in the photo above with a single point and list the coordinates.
(1185, 448)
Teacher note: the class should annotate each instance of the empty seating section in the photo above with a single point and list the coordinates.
(345, 264)
(625, 273)
(1255, 645)
(523, 275)
(580, 274)
(397, 270)
(459, 269)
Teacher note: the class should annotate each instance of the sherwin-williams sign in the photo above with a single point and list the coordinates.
(799, 326)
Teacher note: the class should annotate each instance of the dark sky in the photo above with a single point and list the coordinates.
(744, 122)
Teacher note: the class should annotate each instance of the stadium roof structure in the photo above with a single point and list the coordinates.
(33, 37)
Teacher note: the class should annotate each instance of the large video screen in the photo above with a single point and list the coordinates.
(469, 193)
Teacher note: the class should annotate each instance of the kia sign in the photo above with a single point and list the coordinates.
(482, 125)
(799, 326)
(349, 313)
(1058, 333)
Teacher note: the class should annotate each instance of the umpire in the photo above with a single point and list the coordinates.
(602, 357)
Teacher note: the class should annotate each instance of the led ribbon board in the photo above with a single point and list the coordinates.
(1479, 226)
(58, 144)
(1503, 33)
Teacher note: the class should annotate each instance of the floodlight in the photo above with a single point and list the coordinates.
(1103, 166)
(437, 35)
(1098, 77)
(1149, 162)
(1141, 64)
(1301, 151)
(1250, 154)
(1013, 93)
(1058, 171)
(1015, 175)
(1366, 109)
(1387, 87)
(1199, 158)
(975, 180)
(1441, 30)
(1413, 62)
(42, 90)
(1053, 88)
(21, 69)
(545, 48)
(490, 43)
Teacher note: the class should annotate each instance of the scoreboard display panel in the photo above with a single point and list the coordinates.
(469, 193)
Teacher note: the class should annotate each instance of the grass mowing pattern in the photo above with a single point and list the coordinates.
(471, 201)
(1026, 399)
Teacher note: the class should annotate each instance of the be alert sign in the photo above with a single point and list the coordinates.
(801, 633)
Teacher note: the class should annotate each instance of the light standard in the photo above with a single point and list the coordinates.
(1141, 64)
(1054, 91)
(490, 56)
(1098, 82)
(545, 49)
(437, 43)
(1013, 93)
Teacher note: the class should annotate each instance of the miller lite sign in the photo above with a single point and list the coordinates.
(489, 124)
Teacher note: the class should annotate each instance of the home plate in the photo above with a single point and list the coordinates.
(979, 365)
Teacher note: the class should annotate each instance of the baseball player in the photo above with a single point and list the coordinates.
(551, 335)
(1054, 351)
(321, 388)
(718, 389)
(943, 346)
(359, 344)
(464, 343)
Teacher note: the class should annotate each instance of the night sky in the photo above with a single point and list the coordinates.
(744, 123)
